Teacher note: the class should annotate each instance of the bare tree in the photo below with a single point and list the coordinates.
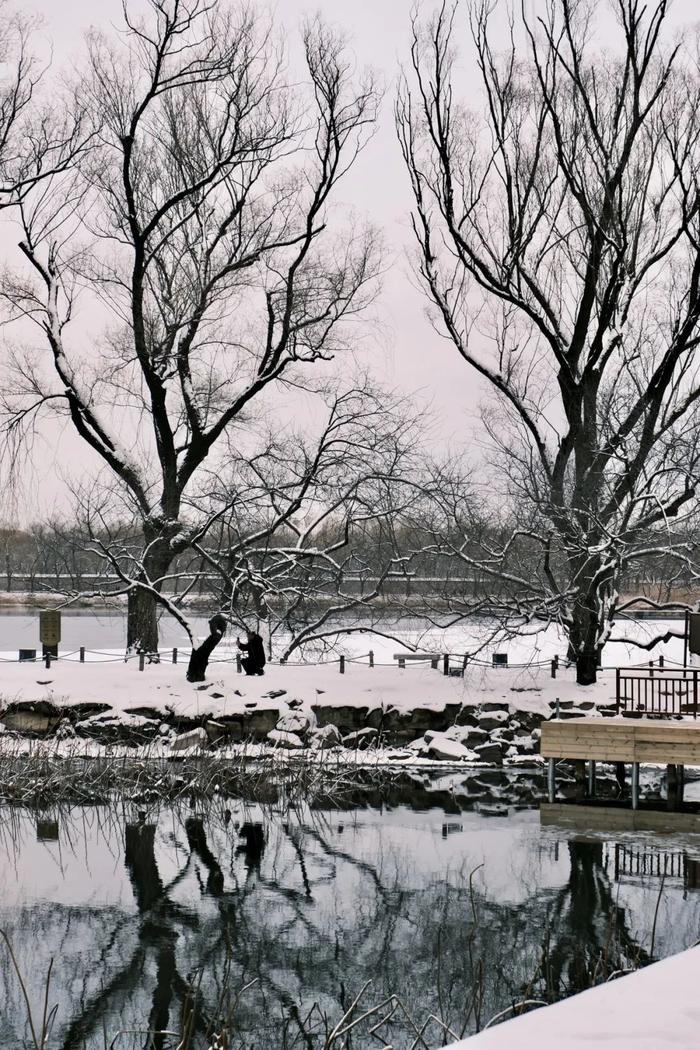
(310, 528)
(198, 221)
(557, 233)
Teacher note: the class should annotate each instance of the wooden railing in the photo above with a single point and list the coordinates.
(657, 691)
(639, 863)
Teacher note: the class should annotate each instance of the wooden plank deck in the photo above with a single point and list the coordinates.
(622, 740)
(584, 818)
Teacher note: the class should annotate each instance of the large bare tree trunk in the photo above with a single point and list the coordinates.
(142, 608)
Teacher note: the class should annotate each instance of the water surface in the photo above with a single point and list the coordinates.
(458, 906)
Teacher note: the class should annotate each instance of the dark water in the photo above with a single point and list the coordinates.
(456, 906)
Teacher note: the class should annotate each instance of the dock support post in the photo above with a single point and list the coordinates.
(591, 778)
(551, 785)
(635, 785)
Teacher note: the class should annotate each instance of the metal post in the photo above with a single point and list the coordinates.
(239, 665)
(661, 660)
(591, 778)
(556, 708)
(371, 658)
(142, 661)
(695, 694)
(174, 656)
(635, 785)
(342, 665)
(446, 664)
(556, 661)
(554, 668)
(551, 785)
(685, 641)
(82, 654)
(617, 690)
(47, 660)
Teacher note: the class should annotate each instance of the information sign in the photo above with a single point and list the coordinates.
(50, 627)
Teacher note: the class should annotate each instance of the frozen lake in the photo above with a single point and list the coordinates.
(415, 888)
(19, 628)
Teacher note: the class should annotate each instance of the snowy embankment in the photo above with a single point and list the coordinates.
(489, 715)
(653, 1009)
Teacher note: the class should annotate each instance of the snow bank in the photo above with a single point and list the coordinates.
(653, 1009)
(163, 687)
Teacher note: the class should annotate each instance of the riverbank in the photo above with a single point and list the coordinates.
(417, 714)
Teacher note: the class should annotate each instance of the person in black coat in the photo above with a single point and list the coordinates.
(200, 656)
(254, 662)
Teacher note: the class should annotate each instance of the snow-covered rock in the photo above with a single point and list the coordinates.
(282, 738)
(194, 738)
(442, 747)
(325, 737)
(295, 722)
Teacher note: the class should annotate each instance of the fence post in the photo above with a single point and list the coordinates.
(695, 693)
(551, 782)
(556, 708)
(617, 689)
(239, 666)
(142, 661)
(661, 660)
(556, 661)
(554, 668)
(174, 656)
(342, 665)
(446, 664)
(82, 654)
(371, 658)
(47, 661)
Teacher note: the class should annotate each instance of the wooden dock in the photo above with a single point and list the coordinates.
(659, 741)
(623, 740)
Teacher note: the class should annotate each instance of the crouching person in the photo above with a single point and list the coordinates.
(254, 661)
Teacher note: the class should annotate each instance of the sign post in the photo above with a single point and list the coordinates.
(50, 631)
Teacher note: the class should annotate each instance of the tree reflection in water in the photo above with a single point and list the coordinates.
(310, 904)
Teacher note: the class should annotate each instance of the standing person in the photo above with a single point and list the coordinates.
(200, 656)
(254, 662)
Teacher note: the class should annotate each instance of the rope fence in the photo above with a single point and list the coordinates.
(449, 663)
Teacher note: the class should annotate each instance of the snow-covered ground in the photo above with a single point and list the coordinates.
(655, 1008)
(164, 687)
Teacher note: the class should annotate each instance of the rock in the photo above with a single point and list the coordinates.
(112, 728)
(290, 741)
(295, 703)
(215, 730)
(86, 710)
(441, 747)
(491, 752)
(493, 721)
(65, 730)
(362, 738)
(195, 738)
(524, 745)
(474, 736)
(145, 712)
(344, 717)
(398, 725)
(274, 693)
(324, 738)
(216, 696)
(466, 716)
(572, 714)
(37, 718)
(295, 722)
(585, 705)
(494, 706)
(491, 809)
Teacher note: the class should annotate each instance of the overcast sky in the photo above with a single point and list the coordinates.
(405, 349)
